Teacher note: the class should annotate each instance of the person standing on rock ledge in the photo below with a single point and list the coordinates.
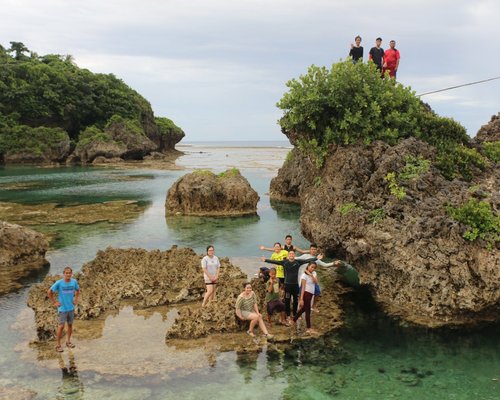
(211, 267)
(67, 293)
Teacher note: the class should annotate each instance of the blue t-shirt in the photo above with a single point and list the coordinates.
(66, 293)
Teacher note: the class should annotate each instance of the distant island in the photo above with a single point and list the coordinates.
(52, 111)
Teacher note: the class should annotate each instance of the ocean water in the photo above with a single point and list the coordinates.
(373, 357)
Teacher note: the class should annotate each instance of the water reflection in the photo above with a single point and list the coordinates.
(247, 363)
(71, 387)
(286, 211)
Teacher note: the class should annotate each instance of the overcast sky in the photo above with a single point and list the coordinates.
(218, 67)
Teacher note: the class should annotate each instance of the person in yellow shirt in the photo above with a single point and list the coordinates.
(278, 255)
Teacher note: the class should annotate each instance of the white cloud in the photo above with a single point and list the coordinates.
(218, 67)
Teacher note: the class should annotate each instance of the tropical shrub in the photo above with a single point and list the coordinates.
(480, 219)
(349, 103)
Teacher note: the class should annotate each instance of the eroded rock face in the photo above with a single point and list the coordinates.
(22, 251)
(489, 132)
(409, 252)
(204, 193)
(151, 278)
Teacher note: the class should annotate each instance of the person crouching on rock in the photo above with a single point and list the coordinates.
(211, 267)
(273, 301)
(67, 297)
(308, 281)
(248, 310)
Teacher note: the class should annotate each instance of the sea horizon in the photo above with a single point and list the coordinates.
(237, 143)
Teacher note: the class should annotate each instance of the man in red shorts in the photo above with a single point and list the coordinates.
(391, 60)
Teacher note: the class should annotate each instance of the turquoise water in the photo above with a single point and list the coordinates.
(371, 358)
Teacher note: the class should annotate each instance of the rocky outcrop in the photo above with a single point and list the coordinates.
(150, 278)
(489, 132)
(22, 251)
(409, 251)
(204, 193)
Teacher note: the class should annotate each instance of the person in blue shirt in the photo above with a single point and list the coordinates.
(67, 297)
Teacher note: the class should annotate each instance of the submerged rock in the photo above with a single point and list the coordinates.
(409, 251)
(205, 194)
(22, 251)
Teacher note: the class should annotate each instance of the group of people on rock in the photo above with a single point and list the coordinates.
(385, 60)
(291, 287)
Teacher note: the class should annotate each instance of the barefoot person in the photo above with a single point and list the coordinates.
(308, 280)
(273, 300)
(248, 310)
(67, 297)
(211, 267)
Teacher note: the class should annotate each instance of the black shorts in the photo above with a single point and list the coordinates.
(275, 306)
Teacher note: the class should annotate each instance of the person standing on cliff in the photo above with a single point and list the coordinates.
(291, 266)
(211, 267)
(391, 60)
(67, 297)
(377, 54)
(356, 52)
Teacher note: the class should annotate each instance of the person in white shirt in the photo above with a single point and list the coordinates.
(308, 281)
(211, 267)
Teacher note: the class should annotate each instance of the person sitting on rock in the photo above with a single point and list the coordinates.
(67, 297)
(291, 267)
(211, 267)
(278, 254)
(308, 281)
(273, 298)
(248, 310)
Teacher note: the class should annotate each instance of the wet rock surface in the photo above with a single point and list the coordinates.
(409, 252)
(16, 393)
(22, 251)
(203, 193)
(169, 283)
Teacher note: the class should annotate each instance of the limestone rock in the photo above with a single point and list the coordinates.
(150, 278)
(22, 251)
(489, 132)
(204, 193)
(409, 252)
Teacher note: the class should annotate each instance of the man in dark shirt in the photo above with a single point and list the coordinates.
(291, 266)
(356, 52)
(377, 54)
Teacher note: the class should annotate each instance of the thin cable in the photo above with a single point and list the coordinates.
(459, 86)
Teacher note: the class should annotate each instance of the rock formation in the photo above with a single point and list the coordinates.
(150, 278)
(22, 250)
(173, 277)
(409, 251)
(489, 132)
(206, 194)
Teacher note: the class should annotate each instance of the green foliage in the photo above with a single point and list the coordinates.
(396, 190)
(346, 208)
(230, 173)
(414, 167)
(24, 139)
(349, 103)
(457, 161)
(289, 157)
(52, 90)
(203, 172)
(167, 127)
(316, 152)
(125, 124)
(93, 134)
(480, 218)
(492, 151)
(317, 181)
(376, 215)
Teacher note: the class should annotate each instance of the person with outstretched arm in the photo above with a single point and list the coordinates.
(291, 266)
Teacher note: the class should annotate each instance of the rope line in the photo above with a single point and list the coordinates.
(458, 86)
